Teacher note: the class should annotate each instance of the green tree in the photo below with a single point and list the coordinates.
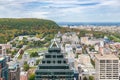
(91, 78)
(26, 66)
(13, 52)
(92, 62)
(32, 77)
(91, 48)
(85, 78)
(76, 55)
(38, 61)
(34, 54)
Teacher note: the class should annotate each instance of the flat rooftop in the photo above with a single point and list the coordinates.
(12, 65)
(2, 58)
(106, 56)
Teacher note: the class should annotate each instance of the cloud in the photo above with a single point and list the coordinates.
(60, 10)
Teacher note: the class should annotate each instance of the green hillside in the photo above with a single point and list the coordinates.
(26, 23)
(11, 28)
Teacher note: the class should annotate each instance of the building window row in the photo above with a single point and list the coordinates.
(53, 56)
(59, 62)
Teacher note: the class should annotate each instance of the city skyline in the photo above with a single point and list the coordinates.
(62, 10)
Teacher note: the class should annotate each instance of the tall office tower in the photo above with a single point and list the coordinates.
(107, 67)
(3, 69)
(54, 65)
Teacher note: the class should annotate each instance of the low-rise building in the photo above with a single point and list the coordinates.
(2, 50)
(68, 48)
(70, 37)
(79, 50)
(23, 75)
(31, 62)
(14, 71)
(84, 66)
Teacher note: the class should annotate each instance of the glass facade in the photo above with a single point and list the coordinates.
(4, 69)
(54, 66)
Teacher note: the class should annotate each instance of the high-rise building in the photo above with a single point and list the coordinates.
(54, 65)
(3, 69)
(107, 67)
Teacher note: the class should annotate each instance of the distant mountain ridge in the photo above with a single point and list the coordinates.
(26, 23)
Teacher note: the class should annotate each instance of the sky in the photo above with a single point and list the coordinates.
(62, 10)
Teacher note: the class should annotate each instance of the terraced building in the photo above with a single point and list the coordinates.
(54, 65)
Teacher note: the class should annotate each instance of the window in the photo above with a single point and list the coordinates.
(48, 62)
(59, 62)
(60, 56)
(43, 62)
(115, 61)
(54, 62)
(53, 67)
(64, 61)
(54, 56)
(102, 61)
(48, 56)
(109, 61)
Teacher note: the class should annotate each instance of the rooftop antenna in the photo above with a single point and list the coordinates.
(54, 42)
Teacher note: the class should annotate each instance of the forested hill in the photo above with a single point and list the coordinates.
(27, 23)
(12, 27)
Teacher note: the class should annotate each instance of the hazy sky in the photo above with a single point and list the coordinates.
(62, 10)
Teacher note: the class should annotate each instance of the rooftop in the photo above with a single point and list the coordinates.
(12, 65)
(2, 58)
(106, 56)
(23, 75)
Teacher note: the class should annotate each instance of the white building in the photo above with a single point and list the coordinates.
(70, 37)
(87, 41)
(68, 48)
(84, 40)
(25, 56)
(96, 47)
(84, 66)
(107, 67)
(32, 62)
(79, 49)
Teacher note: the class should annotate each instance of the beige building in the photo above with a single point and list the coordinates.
(107, 67)
(2, 50)
(84, 66)
(84, 40)
(23, 75)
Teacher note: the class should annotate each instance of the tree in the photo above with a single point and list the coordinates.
(91, 78)
(34, 54)
(26, 66)
(85, 78)
(91, 48)
(32, 77)
(8, 51)
(92, 62)
(38, 61)
(13, 52)
(76, 55)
